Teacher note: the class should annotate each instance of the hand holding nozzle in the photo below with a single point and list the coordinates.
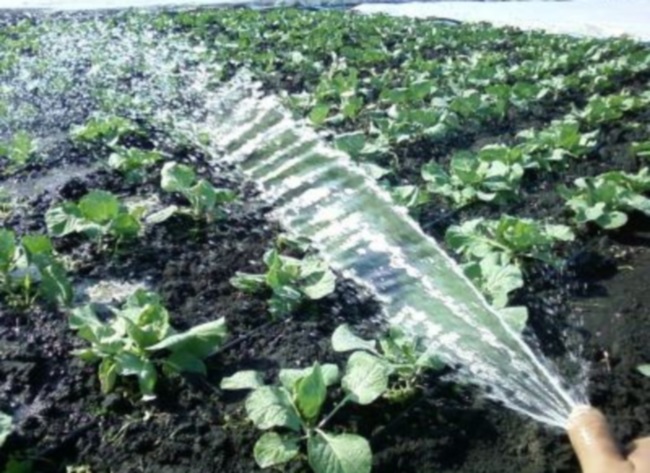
(597, 449)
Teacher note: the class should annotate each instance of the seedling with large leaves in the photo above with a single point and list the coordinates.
(405, 357)
(138, 340)
(494, 251)
(291, 281)
(470, 179)
(132, 162)
(29, 269)
(97, 215)
(606, 199)
(106, 130)
(292, 413)
(205, 200)
(19, 151)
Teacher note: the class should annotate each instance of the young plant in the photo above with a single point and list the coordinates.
(494, 251)
(606, 199)
(139, 341)
(19, 151)
(405, 357)
(29, 269)
(107, 130)
(470, 179)
(97, 215)
(291, 281)
(291, 413)
(641, 149)
(205, 199)
(132, 162)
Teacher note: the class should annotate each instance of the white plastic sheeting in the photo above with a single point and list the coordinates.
(596, 18)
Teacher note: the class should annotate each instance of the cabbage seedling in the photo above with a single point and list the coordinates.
(139, 340)
(404, 357)
(97, 215)
(205, 199)
(133, 161)
(291, 280)
(29, 269)
(106, 130)
(19, 151)
(6, 427)
(291, 413)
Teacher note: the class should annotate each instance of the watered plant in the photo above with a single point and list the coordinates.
(97, 215)
(404, 356)
(6, 427)
(291, 413)
(290, 280)
(19, 151)
(550, 146)
(470, 179)
(106, 130)
(29, 269)
(602, 110)
(606, 199)
(132, 162)
(139, 341)
(206, 201)
(494, 251)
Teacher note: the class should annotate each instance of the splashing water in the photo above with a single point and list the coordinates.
(317, 192)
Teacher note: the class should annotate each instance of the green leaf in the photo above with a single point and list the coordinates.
(643, 369)
(37, 245)
(184, 362)
(99, 206)
(6, 427)
(343, 339)
(201, 340)
(55, 286)
(64, 219)
(319, 114)
(344, 453)
(351, 143)
(249, 283)
(317, 279)
(176, 177)
(273, 449)
(248, 379)
(366, 377)
(289, 377)
(129, 364)
(270, 406)
(516, 317)
(125, 226)
(310, 393)
(7, 249)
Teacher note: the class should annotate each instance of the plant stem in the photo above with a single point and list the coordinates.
(338, 407)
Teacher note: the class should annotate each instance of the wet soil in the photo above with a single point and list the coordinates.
(63, 420)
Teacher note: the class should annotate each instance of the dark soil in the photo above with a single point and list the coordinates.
(63, 419)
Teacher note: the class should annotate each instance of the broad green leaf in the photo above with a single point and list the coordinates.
(644, 370)
(248, 379)
(55, 286)
(343, 339)
(274, 449)
(319, 114)
(176, 177)
(37, 245)
(201, 341)
(99, 206)
(289, 377)
(129, 364)
(344, 453)
(184, 362)
(64, 219)
(317, 279)
(270, 406)
(310, 393)
(366, 377)
(125, 226)
(6, 426)
(351, 143)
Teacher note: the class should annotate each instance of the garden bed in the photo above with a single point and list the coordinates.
(597, 296)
